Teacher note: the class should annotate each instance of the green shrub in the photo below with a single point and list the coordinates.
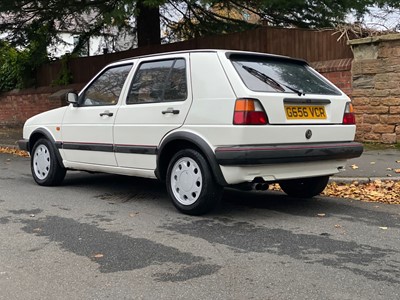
(11, 68)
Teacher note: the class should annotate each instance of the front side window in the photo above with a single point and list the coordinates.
(159, 81)
(269, 74)
(105, 90)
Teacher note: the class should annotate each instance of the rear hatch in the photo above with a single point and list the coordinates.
(289, 90)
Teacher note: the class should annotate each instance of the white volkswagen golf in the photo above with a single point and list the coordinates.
(200, 120)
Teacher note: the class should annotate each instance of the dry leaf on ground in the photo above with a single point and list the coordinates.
(375, 191)
(386, 191)
(14, 151)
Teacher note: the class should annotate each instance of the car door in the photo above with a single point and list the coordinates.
(158, 101)
(87, 128)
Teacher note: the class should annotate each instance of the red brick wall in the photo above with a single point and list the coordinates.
(17, 106)
(338, 72)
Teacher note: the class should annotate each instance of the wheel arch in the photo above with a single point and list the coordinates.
(183, 140)
(43, 133)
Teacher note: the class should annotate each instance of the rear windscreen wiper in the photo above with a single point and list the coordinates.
(270, 81)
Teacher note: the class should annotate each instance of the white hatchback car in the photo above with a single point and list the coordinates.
(200, 120)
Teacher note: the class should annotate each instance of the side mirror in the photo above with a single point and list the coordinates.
(72, 98)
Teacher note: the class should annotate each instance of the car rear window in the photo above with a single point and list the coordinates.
(273, 74)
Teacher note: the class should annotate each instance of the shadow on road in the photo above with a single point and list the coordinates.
(121, 189)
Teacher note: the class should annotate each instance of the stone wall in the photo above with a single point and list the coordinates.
(376, 88)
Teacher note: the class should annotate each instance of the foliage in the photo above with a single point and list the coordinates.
(65, 75)
(8, 70)
(34, 25)
(18, 67)
(11, 67)
(180, 19)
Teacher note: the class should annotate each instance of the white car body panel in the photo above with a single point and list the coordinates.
(218, 135)
(49, 121)
(132, 119)
(271, 173)
(207, 114)
(273, 102)
(110, 169)
(85, 125)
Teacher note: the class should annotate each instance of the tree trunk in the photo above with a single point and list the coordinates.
(148, 25)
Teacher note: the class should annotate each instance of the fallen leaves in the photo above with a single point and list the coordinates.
(14, 151)
(96, 256)
(376, 191)
(384, 191)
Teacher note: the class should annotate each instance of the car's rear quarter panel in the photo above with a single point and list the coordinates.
(216, 86)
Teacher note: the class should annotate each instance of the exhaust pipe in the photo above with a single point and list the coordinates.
(261, 186)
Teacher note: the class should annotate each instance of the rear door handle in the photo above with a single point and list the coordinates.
(170, 111)
(106, 113)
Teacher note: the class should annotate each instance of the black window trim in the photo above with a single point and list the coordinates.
(82, 95)
(174, 59)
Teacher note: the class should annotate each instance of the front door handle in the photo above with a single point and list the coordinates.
(106, 113)
(170, 111)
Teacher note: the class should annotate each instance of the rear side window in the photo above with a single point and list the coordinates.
(159, 81)
(269, 74)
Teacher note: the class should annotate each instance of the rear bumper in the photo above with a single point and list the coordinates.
(278, 154)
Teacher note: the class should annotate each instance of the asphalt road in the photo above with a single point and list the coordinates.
(112, 237)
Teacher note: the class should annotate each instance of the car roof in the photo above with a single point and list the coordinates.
(227, 52)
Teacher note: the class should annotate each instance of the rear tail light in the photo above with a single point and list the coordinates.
(249, 112)
(349, 118)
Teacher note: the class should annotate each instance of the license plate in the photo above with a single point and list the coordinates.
(305, 112)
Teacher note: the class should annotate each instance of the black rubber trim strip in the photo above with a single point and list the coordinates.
(23, 145)
(135, 149)
(152, 150)
(306, 101)
(277, 154)
(201, 144)
(88, 147)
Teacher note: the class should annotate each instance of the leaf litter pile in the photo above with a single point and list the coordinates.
(387, 191)
(14, 151)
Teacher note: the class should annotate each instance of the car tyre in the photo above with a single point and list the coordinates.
(45, 167)
(190, 183)
(304, 187)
